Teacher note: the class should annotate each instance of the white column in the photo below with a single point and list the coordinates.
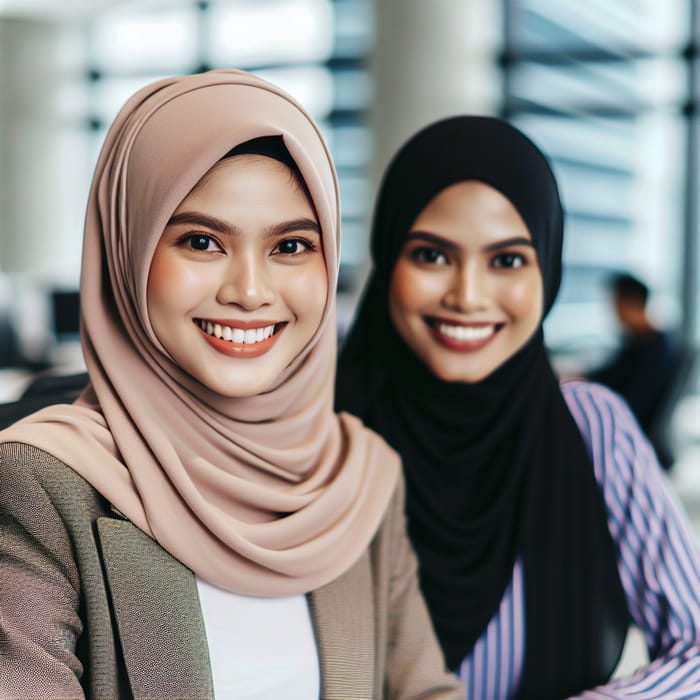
(432, 58)
(43, 149)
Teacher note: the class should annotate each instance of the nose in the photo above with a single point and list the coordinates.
(468, 289)
(246, 284)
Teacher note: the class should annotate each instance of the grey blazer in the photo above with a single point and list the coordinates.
(91, 606)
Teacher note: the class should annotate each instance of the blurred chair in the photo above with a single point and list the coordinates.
(9, 346)
(44, 390)
(52, 384)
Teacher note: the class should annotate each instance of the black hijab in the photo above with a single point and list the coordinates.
(496, 469)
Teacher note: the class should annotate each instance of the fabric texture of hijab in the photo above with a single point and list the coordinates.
(496, 470)
(271, 495)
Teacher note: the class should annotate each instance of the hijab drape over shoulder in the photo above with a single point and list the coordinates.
(270, 495)
(496, 471)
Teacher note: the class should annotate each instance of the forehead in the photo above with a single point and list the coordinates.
(470, 209)
(243, 164)
(252, 185)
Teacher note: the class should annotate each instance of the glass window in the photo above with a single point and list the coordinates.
(601, 87)
(270, 32)
(152, 37)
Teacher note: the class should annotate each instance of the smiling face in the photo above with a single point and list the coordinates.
(238, 283)
(466, 291)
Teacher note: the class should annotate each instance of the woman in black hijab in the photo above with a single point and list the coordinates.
(522, 495)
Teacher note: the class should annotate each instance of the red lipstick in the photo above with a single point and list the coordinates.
(461, 344)
(242, 350)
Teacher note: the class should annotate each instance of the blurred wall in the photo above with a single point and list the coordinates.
(42, 158)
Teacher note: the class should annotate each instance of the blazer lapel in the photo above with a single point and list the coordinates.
(343, 614)
(159, 619)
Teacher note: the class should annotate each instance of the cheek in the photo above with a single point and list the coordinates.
(525, 298)
(410, 290)
(160, 280)
(307, 292)
(158, 274)
(173, 284)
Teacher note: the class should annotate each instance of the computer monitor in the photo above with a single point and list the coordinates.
(65, 311)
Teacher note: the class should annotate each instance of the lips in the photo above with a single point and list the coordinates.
(242, 339)
(462, 337)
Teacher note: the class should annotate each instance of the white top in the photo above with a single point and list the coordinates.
(261, 648)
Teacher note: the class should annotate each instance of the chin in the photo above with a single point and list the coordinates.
(454, 375)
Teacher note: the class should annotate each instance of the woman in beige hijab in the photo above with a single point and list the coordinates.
(200, 521)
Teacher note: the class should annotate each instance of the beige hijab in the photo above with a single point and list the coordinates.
(270, 495)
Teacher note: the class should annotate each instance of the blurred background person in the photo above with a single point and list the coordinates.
(644, 368)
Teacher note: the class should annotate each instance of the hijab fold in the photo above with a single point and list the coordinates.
(497, 470)
(270, 495)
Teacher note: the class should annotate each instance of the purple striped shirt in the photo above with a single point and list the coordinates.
(657, 557)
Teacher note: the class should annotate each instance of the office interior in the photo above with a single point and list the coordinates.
(609, 89)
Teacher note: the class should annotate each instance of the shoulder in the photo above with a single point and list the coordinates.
(35, 482)
(24, 463)
(616, 444)
(591, 403)
(592, 393)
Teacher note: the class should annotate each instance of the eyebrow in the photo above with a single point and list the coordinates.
(302, 224)
(449, 245)
(430, 238)
(508, 242)
(215, 224)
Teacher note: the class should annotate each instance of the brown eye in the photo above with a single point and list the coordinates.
(431, 256)
(293, 246)
(200, 242)
(509, 260)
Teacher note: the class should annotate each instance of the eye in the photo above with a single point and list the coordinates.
(509, 260)
(293, 246)
(200, 242)
(430, 256)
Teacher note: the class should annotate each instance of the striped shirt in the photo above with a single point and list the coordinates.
(657, 557)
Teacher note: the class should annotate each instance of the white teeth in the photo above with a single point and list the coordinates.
(466, 333)
(237, 335)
